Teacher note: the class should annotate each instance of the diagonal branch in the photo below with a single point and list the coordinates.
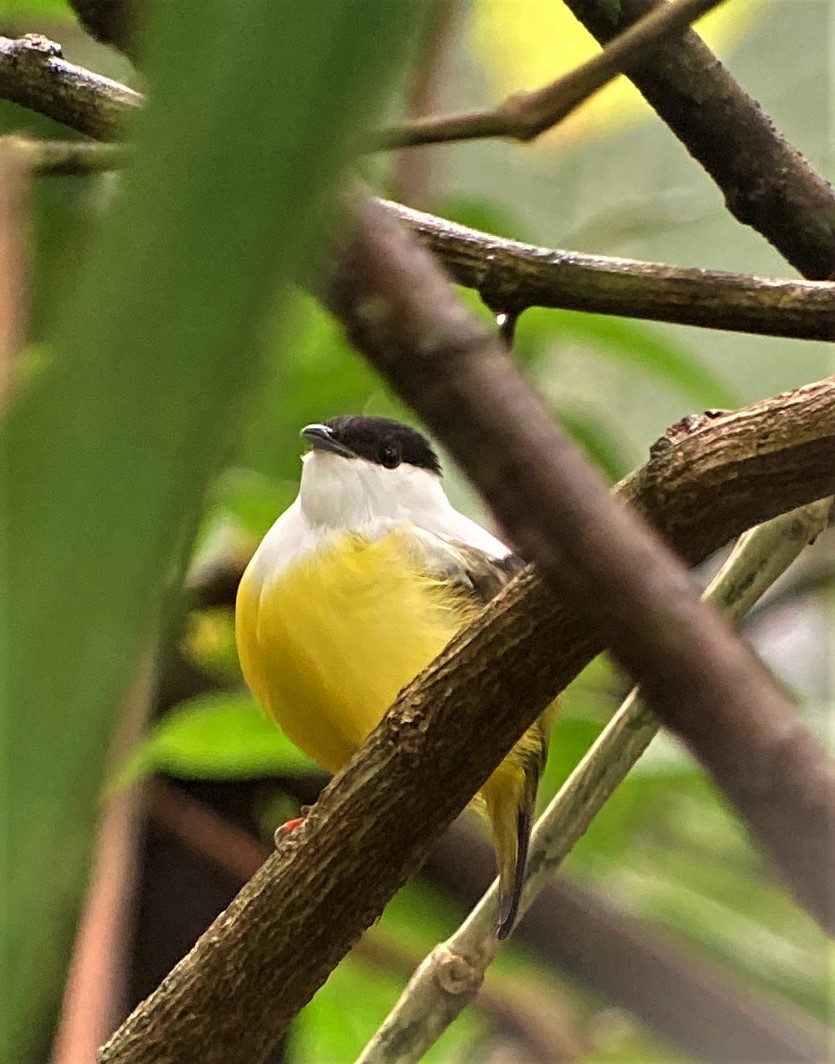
(703, 682)
(34, 74)
(706, 481)
(430, 1001)
(767, 184)
(704, 1011)
(241, 854)
(712, 1015)
(525, 115)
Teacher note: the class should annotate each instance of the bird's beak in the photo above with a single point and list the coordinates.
(321, 438)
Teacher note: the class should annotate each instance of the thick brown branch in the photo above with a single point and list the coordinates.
(706, 482)
(524, 115)
(237, 852)
(767, 184)
(700, 680)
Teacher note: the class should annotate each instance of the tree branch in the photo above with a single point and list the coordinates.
(706, 481)
(525, 115)
(509, 275)
(767, 183)
(513, 276)
(682, 997)
(431, 1000)
(241, 854)
(33, 74)
(699, 1008)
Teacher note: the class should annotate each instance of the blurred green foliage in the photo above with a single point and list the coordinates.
(155, 353)
(220, 736)
(57, 9)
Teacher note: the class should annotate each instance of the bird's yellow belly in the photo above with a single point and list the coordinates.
(327, 644)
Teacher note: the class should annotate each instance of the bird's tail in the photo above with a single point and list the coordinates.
(510, 796)
(512, 874)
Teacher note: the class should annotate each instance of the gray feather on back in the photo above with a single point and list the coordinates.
(472, 570)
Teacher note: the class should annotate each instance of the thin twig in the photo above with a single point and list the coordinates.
(525, 115)
(429, 1003)
(713, 1014)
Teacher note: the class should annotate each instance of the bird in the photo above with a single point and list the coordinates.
(355, 589)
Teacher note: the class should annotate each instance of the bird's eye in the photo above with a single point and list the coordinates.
(389, 456)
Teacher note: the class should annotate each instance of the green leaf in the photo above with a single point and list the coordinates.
(223, 736)
(156, 355)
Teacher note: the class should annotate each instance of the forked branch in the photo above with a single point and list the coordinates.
(525, 115)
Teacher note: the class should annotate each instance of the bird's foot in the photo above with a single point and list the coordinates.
(283, 831)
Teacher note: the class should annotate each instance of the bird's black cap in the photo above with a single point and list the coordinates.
(377, 439)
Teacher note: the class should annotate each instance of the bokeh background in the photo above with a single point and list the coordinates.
(666, 860)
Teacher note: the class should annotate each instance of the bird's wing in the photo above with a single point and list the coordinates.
(510, 794)
(470, 569)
